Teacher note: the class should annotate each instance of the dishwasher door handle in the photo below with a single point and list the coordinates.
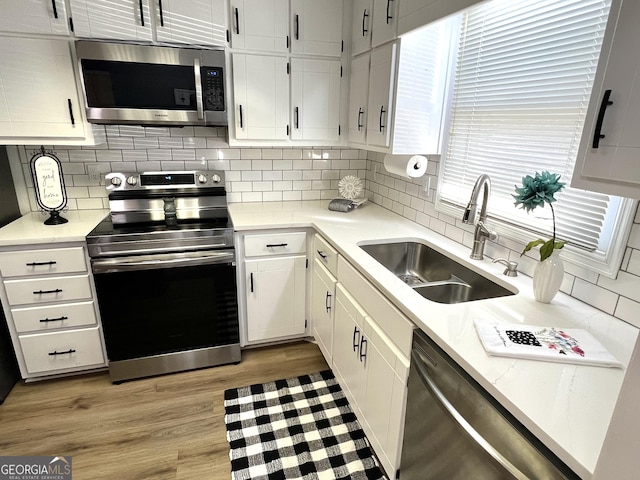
(417, 361)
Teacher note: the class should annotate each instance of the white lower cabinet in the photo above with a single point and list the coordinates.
(371, 348)
(323, 303)
(274, 270)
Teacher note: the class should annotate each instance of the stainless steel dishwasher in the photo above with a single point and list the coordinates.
(455, 430)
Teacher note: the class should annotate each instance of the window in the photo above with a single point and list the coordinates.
(523, 80)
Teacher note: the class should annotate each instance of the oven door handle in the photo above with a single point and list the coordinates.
(135, 263)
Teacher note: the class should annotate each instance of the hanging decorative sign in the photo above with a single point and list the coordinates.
(48, 181)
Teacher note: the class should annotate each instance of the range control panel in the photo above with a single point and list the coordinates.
(120, 181)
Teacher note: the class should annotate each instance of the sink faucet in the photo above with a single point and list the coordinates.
(469, 216)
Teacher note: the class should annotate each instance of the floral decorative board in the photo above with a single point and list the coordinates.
(552, 344)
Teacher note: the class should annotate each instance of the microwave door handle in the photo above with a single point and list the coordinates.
(198, 75)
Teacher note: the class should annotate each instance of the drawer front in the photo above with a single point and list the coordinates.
(42, 262)
(325, 253)
(50, 289)
(275, 244)
(52, 317)
(48, 352)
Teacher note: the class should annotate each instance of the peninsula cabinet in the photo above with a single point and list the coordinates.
(47, 294)
(261, 25)
(47, 17)
(274, 273)
(608, 159)
(323, 295)
(316, 27)
(39, 101)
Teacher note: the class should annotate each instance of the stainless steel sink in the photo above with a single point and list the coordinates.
(434, 275)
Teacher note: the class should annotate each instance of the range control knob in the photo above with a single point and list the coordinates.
(116, 181)
(202, 178)
(132, 180)
(216, 178)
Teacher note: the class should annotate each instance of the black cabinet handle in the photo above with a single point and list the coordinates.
(296, 28)
(389, 17)
(598, 135)
(35, 264)
(59, 319)
(296, 113)
(55, 8)
(235, 14)
(327, 302)
(55, 352)
(251, 281)
(382, 112)
(322, 255)
(360, 113)
(363, 343)
(42, 292)
(161, 13)
(241, 123)
(272, 245)
(354, 341)
(364, 17)
(141, 13)
(73, 120)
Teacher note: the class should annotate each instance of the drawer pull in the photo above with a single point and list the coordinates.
(37, 264)
(272, 245)
(55, 352)
(354, 342)
(59, 319)
(327, 302)
(41, 292)
(323, 256)
(251, 281)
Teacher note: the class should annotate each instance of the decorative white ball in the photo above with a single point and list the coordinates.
(350, 187)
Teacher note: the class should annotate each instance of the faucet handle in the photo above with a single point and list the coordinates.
(512, 267)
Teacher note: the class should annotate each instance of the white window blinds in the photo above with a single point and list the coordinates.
(523, 81)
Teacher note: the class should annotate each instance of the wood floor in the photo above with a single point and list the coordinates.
(167, 427)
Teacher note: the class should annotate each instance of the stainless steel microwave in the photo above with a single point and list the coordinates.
(148, 85)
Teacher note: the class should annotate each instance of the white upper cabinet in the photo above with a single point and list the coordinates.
(385, 21)
(260, 25)
(34, 16)
(358, 99)
(609, 156)
(361, 27)
(316, 27)
(261, 97)
(112, 19)
(38, 96)
(198, 22)
(381, 95)
(315, 99)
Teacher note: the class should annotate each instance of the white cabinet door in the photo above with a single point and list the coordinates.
(316, 27)
(613, 166)
(323, 294)
(112, 19)
(385, 21)
(358, 99)
(315, 97)
(34, 16)
(381, 93)
(38, 96)
(275, 297)
(361, 27)
(199, 22)
(260, 25)
(261, 97)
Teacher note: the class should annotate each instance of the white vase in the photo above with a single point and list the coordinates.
(547, 277)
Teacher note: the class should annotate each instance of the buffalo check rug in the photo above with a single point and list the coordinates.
(296, 428)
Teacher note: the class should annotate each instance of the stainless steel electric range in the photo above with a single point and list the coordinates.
(165, 273)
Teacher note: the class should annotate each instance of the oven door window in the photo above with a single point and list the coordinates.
(158, 311)
(111, 84)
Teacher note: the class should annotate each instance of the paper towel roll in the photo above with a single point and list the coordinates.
(412, 166)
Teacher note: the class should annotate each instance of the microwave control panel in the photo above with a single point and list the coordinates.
(213, 88)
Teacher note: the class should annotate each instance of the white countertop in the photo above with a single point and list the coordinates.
(30, 228)
(568, 407)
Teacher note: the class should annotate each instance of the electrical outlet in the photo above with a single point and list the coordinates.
(93, 170)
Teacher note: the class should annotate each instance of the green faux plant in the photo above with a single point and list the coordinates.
(535, 192)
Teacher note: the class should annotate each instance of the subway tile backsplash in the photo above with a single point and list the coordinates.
(253, 174)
